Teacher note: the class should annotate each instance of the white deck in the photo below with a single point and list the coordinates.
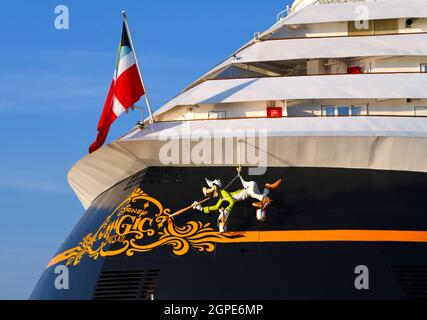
(359, 142)
(335, 47)
(363, 86)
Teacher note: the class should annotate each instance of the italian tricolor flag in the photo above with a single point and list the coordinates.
(125, 90)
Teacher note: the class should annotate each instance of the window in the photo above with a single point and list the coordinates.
(360, 28)
(423, 67)
(421, 111)
(366, 28)
(356, 111)
(387, 26)
(216, 115)
(343, 111)
(328, 111)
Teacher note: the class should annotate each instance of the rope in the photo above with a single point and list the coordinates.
(232, 181)
(272, 156)
(240, 165)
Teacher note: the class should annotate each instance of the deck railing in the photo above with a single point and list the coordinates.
(340, 1)
(297, 117)
(283, 14)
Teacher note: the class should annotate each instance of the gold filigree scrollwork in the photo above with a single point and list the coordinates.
(129, 229)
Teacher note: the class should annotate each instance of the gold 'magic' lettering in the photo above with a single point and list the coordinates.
(131, 229)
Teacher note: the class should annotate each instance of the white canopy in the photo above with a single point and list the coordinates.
(339, 12)
(337, 47)
(362, 86)
(299, 4)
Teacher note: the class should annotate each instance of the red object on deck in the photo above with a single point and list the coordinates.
(273, 112)
(354, 70)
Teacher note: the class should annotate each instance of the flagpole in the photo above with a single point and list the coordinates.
(147, 100)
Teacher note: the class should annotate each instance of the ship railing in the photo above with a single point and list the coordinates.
(341, 1)
(295, 117)
(283, 14)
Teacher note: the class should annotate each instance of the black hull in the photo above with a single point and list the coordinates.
(309, 199)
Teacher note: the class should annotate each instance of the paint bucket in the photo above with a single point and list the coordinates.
(222, 227)
(261, 215)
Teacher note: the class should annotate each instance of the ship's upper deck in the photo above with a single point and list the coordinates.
(321, 50)
(322, 11)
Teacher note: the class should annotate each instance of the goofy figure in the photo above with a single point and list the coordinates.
(250, 190)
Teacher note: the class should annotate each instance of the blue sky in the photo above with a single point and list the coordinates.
(53, 87)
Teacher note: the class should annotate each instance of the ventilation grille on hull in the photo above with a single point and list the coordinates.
(147, 292)
(156, 175)
(135, 181)
(413, 280)
(126, 285)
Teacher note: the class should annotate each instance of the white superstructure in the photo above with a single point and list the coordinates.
(349, 79)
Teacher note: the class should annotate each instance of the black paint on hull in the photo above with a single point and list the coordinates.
(309, 199)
